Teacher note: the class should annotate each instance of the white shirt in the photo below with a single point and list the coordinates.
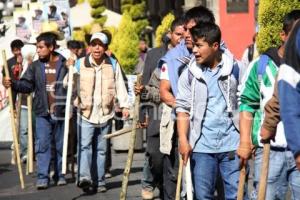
(164, 74)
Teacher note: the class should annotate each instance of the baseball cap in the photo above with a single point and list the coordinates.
(100, 36)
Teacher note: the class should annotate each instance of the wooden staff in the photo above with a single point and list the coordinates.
(188, 179)
(179, 178)
(264, 172)
(12, 121)
(67, 120)
(30, 135)
(241, 186)
(131, 145)
(117, 133)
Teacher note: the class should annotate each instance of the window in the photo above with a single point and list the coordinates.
(237, 6)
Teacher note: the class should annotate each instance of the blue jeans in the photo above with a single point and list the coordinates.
(92, 151)
(23, 131)
(48, 130)
(204, 168)
(282, 172)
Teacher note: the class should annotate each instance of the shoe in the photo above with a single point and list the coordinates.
(41, 185)
(108, 175)
(84, 183)
(61, 182)
(101, 189)
(147, 195)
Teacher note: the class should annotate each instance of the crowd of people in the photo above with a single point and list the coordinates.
(198, 103)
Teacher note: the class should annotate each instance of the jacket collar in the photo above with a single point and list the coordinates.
(227, 65)
(87, 62)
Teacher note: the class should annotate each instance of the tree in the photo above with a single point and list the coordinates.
(125, 42)
(270, 15)
(97, 10)
(163, 28)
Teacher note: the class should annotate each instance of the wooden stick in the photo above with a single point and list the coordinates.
(241, 186)
(264, 173)
(12, 121)
(179, 178)
(67, 120)
(117, 133)
(131, 144)
(188, 179)
(30, 135)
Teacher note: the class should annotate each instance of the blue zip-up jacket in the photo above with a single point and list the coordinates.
(34, 80)
(193, 94)
(289, 101)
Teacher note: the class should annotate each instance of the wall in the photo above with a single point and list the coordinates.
(237, 28)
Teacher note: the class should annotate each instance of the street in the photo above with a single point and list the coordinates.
(10, 188)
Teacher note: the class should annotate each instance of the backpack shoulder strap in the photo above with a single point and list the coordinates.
(262, 65)
(113, 63)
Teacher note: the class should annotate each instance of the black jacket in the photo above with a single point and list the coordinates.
(34, 80)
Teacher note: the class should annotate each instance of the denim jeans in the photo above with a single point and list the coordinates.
(23, 131)
(147, 179)
(92, 151)
(204, 168)
(48, 130)
(282, 172)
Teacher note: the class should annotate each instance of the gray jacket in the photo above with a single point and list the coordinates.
(193, 93)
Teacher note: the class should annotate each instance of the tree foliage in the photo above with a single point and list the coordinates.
(97, 10)
(270, 17)
(125, 42)
(163, 28)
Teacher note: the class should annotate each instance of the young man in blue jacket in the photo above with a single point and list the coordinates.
(44, 77)
(207, 115)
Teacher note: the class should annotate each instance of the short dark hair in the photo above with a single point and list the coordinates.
(16, 44)
(289, 19)
(209, 31)
(199, 14)
(108, 35)
(49, 39)
(177, 22)
(73, 44)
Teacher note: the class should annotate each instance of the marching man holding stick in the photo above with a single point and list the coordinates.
(99, 83)
(44, 77)
(256, 90)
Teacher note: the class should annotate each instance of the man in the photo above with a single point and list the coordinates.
(171, 65)
(256, 89)
(143, 48)
(100, 83)
(15, 66)
(205, 104)
(44, 77)
(149, 89)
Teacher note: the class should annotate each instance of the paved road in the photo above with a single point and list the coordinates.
(10, 188)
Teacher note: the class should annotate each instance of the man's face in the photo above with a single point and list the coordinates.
(16, 51)
(43, 51)
(97, 49)
(204, 53)
(177, 35)
(142, 46)
(187, 34)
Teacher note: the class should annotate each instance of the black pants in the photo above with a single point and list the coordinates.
(170, 171)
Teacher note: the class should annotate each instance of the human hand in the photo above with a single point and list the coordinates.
(125, 113)
(138, 89)
(244, 151)
(185, 150)
(266, 135)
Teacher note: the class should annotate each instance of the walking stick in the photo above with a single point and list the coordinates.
(179, 178)
(264, 172)
(67, 120)
(12, 120)
(241, 186)
(30, 135)
(131, 144)
(188, 178)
